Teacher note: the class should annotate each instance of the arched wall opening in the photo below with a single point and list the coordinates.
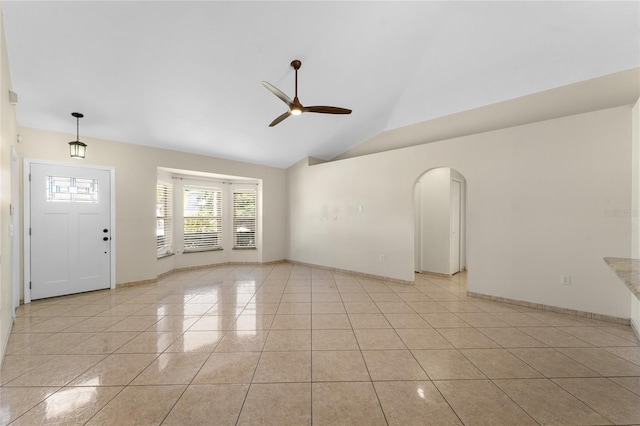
(440, 222)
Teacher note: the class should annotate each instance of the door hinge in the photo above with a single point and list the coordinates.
(29, 177)
(29, 285)
(29, 231)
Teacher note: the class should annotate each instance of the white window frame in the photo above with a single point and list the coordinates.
(244, 220)
(206, 241)
(166, 249)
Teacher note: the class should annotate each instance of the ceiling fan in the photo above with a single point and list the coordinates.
(295, 107)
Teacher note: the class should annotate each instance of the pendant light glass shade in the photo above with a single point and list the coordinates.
(77, 149)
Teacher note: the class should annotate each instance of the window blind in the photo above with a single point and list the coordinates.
(202, 219)
(164, 218)
(244, 219)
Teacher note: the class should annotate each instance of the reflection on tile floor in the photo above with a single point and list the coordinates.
(289, 344)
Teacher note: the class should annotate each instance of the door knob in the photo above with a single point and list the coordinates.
(105, 239)
(105, 230)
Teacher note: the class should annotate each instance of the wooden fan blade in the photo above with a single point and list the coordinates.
(327, 110)
(279, 93)
(279, 119)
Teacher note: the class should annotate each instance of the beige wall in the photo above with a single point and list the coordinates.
(537, 203)
(136, 170)
(7, 139)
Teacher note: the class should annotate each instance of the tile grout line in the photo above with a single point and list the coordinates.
(366, 366)
(244, 400)
(515, 402)
(585, 402)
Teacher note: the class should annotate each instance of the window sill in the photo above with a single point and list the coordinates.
(245, 248)
(202, 251)
(162, 256)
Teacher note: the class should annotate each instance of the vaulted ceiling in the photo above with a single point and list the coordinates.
(186, 75)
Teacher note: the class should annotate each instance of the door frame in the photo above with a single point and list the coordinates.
(459, 230)
(417, 226)
(15, 230)
(26, 170)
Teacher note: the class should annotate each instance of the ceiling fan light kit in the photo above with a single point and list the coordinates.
(295, 107)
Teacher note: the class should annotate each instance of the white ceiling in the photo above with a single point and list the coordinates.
(186, 75)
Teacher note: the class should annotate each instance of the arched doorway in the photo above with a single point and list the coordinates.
(440, 222)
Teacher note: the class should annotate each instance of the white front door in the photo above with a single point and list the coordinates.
(70, 229)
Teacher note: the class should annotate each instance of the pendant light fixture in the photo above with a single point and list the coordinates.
(77, 149)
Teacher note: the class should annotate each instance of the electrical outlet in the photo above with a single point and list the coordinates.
(565, 279)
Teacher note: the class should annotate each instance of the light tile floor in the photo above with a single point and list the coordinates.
(289, 344)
